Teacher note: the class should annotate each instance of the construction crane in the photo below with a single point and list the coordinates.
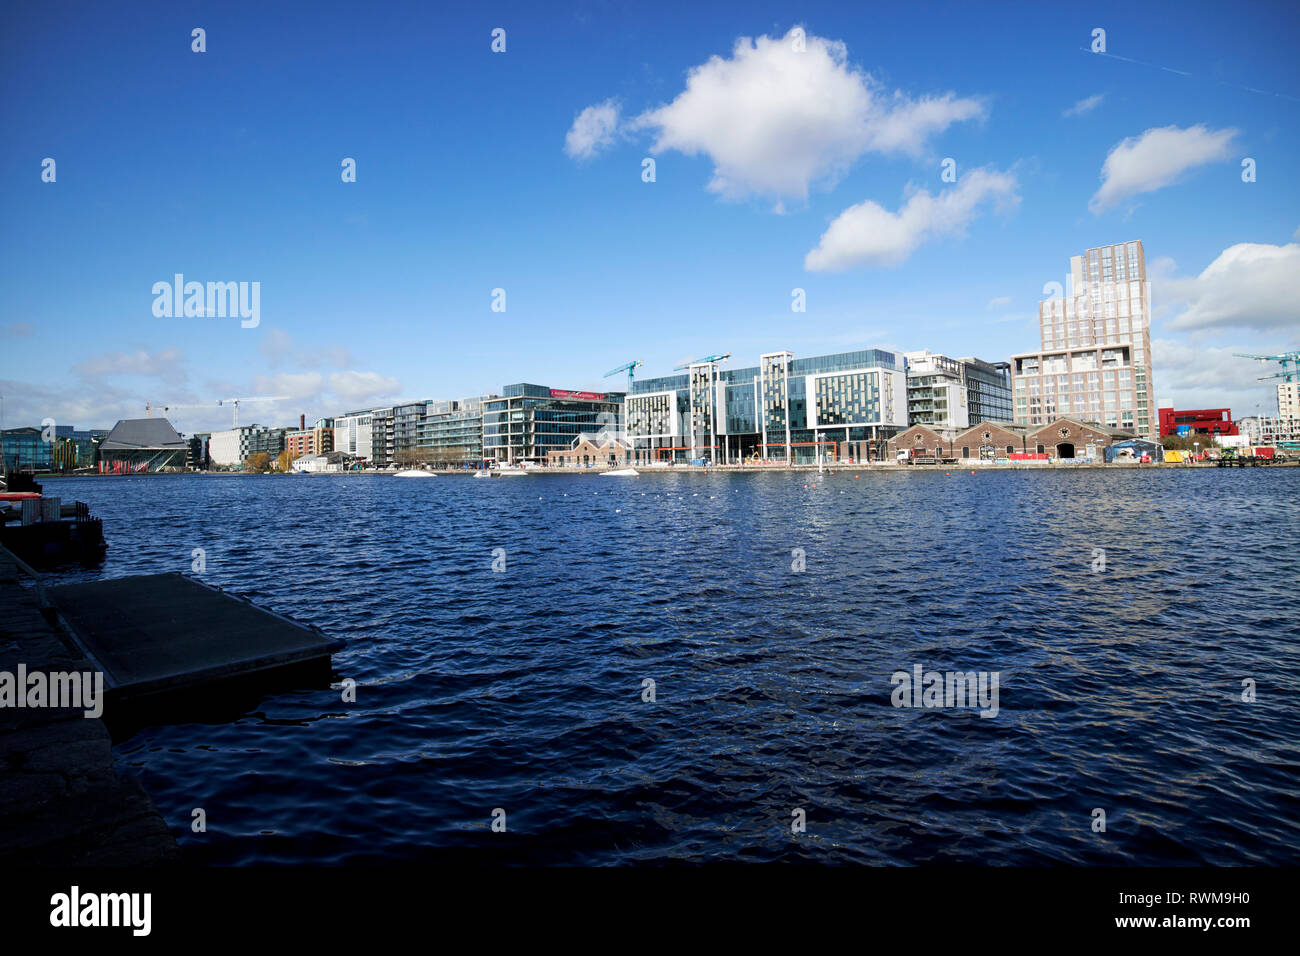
(259, 398)
(630, 367)
(1290, 362)
(708, 359)
(148, 407)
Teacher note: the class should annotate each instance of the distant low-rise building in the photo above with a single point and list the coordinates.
(1063, 438)
(593, 451)
(328, 462)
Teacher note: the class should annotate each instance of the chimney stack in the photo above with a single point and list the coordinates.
(302, 421)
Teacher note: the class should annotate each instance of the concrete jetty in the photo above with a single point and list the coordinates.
(61, 804)
(156, 635)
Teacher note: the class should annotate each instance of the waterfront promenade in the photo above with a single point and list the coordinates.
(60, 801)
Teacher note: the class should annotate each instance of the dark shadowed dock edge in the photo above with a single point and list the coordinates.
(60, 801)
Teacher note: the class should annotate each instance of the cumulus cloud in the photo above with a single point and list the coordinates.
(870, 235)
(1085, 105)
(1250, 285)
(1142, 164)
(593, 129)
(279, 346)
(1196, 376)
(774, 119)
(167, 365)
(356, 387)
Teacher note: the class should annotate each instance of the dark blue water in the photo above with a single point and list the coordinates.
(522, 689)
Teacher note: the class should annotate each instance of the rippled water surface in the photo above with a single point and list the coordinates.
(522, 689)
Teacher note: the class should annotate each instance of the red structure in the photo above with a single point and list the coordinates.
(1203, 421)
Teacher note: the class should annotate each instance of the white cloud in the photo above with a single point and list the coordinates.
(774, 120)
(1141, 164)
(279, 346)
(356, 387)
(1194, 376)
(998, 302)
(1085, 105)
(1249, 285)
(592, 130)
(870, 235)
(167, 365)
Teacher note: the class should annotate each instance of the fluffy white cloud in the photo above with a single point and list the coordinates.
(167, 365)
(1250, 285)
(592, 130)
(774, 119)
(279, 346)
(870, 235)
(1194, 376)
(1085, 105)
(1141, 164)
(356, 387)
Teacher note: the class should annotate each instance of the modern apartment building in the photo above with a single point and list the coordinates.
(1288, 400)
(299, 442)
(381, 436)
(352, 434)
(323, 435)
(453, 430)
(527, 422)
(956, 393)
(786, 408)
(1094, 363)
(230, 447)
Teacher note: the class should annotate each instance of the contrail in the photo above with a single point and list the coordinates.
(1168, 69)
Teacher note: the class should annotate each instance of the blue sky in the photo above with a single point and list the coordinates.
(225, 166)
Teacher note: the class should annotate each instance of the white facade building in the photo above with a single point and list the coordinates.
(352, 434)
(230, 447)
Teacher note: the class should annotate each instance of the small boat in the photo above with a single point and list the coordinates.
(415, 473)
(621, 473)
(482, 474)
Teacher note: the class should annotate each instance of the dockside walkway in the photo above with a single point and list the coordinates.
(61, 804)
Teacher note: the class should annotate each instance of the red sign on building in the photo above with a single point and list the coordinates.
(583, 396)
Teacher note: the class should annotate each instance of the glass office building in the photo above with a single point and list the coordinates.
(69, 448)
(453, 431)
(526, 422)
(785, 408)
